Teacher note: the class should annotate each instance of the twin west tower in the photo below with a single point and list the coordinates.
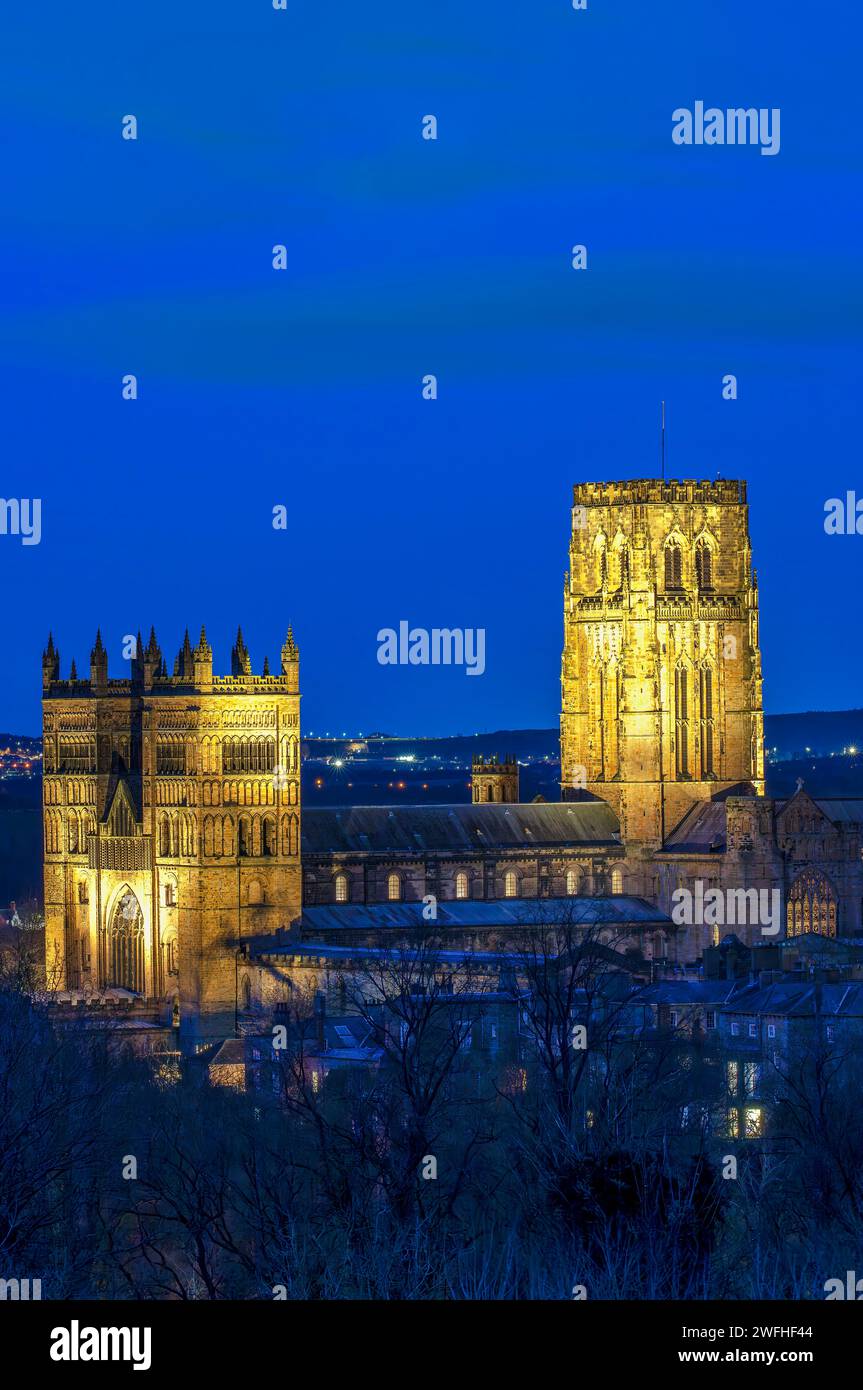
(171, 821)
(661, 672)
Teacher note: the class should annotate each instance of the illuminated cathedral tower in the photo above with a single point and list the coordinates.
(172, 824)
(661, 671)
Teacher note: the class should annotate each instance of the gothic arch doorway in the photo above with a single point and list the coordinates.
(125, 944)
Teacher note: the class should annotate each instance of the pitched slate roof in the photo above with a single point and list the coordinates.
(464, 828)
(683, 992)
(701, 831)
(846, 808)
(508, 912)
(798, 1000)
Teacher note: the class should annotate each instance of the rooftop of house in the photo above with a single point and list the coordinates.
(799, 999)
(709, 993)
(457, 829)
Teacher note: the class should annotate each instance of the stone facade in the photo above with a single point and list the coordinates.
(804, 850)
(172, 824)
(378, 854)
(494, 781)
(661, 670)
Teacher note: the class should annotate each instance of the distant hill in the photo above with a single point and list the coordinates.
(521, 743)
(819, 731)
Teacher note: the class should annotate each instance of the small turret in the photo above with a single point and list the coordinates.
(98, 664)
(50, 663)
(203, 660)
(241, 662)
(185, 661)
(137, 661)
(151, 664)
(291, 661)
(494, 781)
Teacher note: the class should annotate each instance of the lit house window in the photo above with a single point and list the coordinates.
(617, 880)
(342, 888)
(751, 1077)
(733, 1125)
(571, 883)
(461, 885)
(510, 884)
(754, 1121)
(731, 1077)
(394, 888)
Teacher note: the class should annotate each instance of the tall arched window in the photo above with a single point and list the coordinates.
(571, 882)
(462, 885)
(811, 905)
(125, 954)
(704, 565)
(673, 566)
(341, 882)
(617, 880)
(394, 888)
(510, 884)
(706, 738)
(681, 721)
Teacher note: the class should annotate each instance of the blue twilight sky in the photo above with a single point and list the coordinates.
(408, 257)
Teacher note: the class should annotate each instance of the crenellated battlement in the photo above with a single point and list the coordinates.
(494, 780)
(667, 491)
(494, 764)
(192, 671)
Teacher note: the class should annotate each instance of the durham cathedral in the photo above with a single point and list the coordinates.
(178, 874)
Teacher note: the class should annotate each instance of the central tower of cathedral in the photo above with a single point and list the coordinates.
(661, 670)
